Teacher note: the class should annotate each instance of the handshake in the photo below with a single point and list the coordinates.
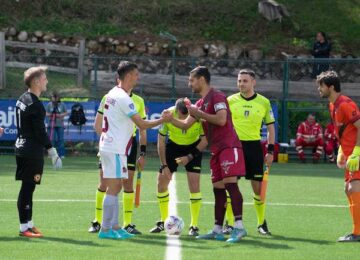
(55, 159)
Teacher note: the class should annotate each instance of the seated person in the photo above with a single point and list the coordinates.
(309, 134)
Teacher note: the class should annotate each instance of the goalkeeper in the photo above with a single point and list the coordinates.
(182, 147)
(29, 147)
(346, 117)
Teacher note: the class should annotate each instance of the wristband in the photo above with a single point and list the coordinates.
(270, 148)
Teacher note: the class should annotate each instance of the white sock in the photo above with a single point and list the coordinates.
(23, 227)
(217, 229)
(30, 224)
(238, 224)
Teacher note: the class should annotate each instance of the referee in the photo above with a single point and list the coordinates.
(29, 147)
(182, 147)
(248, 111)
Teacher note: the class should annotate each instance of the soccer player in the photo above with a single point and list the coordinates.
(346, 117)
(249, 110)
(128, 194)
(29, 147)
(227, 160)
(115, 143)
(182, 147)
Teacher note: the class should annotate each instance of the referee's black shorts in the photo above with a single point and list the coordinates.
(254, 160)
(174, 151)
(132, 157)
(29, 169)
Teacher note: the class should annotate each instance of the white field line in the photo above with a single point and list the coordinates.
(186, 202)
(173, 245)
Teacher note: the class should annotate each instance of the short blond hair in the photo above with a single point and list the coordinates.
(33, 73)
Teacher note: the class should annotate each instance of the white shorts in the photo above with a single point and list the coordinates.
(114, 166)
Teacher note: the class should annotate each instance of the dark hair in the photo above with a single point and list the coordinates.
(56, 96)
(201, 71)
(323, 35)
(180, 106)
(329, 78)
(249, 72)
(124, 68)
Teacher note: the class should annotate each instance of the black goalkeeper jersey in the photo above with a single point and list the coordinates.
(31, 133)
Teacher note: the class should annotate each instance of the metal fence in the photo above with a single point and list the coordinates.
(289, 82)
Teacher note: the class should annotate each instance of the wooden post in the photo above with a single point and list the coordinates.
(80, 73)
(2, 61)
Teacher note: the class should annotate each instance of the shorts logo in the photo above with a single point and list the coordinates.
(37, 177)
(124, 169)
(225, 165)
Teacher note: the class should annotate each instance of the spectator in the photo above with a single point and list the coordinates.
(309, 134)
(321, 50)
(331, 142)
(56, 111)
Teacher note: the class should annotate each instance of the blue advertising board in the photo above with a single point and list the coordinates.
(87, 133)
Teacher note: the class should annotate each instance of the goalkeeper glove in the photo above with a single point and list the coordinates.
(340, 160)
(55, 159)
(352, 163)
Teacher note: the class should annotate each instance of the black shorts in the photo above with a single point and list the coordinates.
(254, 160)
(174, 151)
(131, 159)
(29, 169)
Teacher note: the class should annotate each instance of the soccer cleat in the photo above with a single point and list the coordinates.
(123, 233)
(263, 229)
(36, 230)
(29, 233)
(132, 230)
(193, 231)
(212, 235)
(95, 227)
(227, 229)
(158, 228)
(236, 235)
(349, 238)
(110, 234)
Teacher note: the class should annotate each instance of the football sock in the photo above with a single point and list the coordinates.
(350, 204)
(99, 205)
(24, 203)
(239, 224)
(217, 229)
(23, 227)
(236, 200)
(115, 217)
(229, 212)
(195, 205)
(163, 199)
(260, 209)
(355, 198)
(30, 224)
(128, 206)
(220, 200)
(108, 211)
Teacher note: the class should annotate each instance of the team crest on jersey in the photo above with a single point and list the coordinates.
(132, 106)
(225, 165)
(205, 106)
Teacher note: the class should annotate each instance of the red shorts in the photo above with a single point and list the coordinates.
(351, 176)
(227, 163)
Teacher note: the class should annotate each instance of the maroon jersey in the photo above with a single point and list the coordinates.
(219, 137)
